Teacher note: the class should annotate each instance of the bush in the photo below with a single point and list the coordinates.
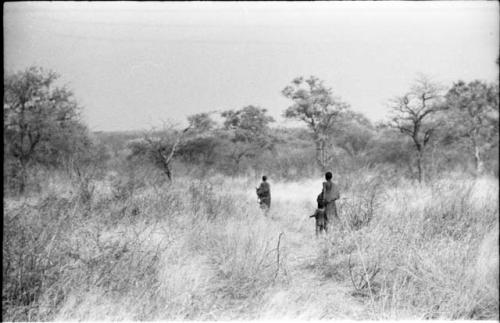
(34, 256)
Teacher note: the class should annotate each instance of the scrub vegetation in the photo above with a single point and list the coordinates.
(165, 224)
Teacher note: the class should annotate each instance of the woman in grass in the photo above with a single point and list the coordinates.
(264, 195)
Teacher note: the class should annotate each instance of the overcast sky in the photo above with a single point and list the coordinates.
(133, 64)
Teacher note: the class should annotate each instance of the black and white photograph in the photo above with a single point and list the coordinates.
(250, 161)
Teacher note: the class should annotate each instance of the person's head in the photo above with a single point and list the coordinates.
(264, 178)
(328, 176)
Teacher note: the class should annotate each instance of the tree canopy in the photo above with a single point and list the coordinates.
(413, 114)
(474, 116)
(41, 121)
(315, 105)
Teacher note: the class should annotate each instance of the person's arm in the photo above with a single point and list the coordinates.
(336, 192)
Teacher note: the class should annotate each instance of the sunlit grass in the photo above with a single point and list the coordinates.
(203, 250)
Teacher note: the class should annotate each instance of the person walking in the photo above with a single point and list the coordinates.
(264, 195)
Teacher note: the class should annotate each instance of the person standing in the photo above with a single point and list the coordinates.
(330, 194)
(264, 194)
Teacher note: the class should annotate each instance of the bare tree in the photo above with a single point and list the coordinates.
(413, 115)
(159, 147)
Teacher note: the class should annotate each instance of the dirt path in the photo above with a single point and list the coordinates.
(308, 294)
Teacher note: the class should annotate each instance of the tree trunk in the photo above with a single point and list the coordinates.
(23, 175)
(168, 173)
(420, 166)
(478, 162)
(320, 154)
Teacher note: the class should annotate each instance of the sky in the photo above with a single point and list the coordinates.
(135, 65)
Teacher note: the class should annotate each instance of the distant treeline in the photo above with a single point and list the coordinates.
(432, 130)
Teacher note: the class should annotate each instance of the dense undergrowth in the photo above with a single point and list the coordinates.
(202, 250)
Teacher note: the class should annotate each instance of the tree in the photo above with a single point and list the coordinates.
(413, 115)
(474, 116)
(201, 122)
(315, 106)
(353, 134)
(200, 146)
(41, 121)
(388, 147)
(158, 147)
(200, 150)
(248, 131)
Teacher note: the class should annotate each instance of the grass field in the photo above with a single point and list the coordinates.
(202, 250)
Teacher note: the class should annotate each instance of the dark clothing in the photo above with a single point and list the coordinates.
(264, 195)
(321, 220)
(320, 201)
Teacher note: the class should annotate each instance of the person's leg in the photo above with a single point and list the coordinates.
(328, 213)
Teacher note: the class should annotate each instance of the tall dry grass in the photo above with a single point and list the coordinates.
(202, 250)
(189, 250)
(428, 252)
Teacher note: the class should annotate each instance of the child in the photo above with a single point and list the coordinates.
(321, 218)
